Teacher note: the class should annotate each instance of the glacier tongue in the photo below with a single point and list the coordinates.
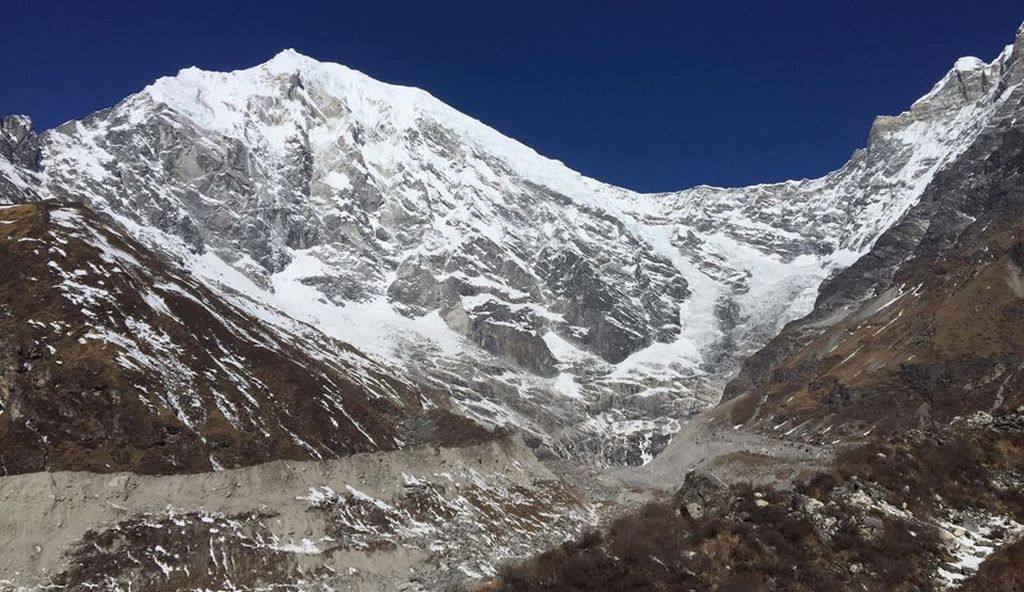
(590, 317)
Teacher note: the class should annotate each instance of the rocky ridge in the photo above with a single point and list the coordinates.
(113, 360)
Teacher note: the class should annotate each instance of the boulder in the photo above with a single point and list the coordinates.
(703, 494)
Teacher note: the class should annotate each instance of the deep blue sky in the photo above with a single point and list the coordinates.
(648, 95)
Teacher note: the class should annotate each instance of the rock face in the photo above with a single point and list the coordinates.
(926, 326)
(588, 317)
(19, 157)
(18, 142)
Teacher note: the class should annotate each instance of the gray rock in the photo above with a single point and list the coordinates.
(703, 494)
(873, 523)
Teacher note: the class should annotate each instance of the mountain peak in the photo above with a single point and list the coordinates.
(289, 61)
(290, 57)
(221, 101)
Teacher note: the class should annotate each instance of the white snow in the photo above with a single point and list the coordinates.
(968, 63)
(973, 544)
(565, 383)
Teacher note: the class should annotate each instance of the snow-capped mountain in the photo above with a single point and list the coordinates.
(589, 317)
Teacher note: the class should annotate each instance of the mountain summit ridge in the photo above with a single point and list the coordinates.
(395, 104)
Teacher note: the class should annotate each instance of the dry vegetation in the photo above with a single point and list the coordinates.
(770, 541)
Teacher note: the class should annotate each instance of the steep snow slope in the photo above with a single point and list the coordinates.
(588, 316)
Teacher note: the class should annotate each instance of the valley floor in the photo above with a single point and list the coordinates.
(734, 454)
(425, 518)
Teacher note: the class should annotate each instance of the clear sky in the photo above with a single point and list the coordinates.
(648, 95)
